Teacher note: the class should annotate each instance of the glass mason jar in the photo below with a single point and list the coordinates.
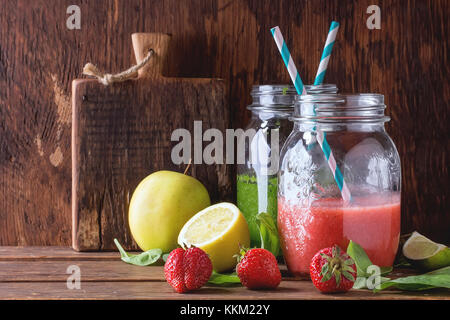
(311, 212)
(264, 135)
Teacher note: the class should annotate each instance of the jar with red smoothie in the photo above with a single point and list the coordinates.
(311, 212)
(267, 131)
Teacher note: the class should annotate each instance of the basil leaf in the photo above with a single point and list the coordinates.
(143, 259)
(418, 283)
(435, 279)
(360, 283)
(362, 261)
(268, 232)
(223, 279)
(441, 271)
(385, 270)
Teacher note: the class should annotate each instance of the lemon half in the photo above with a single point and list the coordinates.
(426, 254)
(218, 230)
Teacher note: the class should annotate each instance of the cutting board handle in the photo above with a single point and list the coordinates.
(142, 43)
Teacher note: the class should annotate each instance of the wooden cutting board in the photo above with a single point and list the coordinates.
(122, 132)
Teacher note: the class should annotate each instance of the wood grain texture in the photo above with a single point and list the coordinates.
(103, 268)
(150, 290)
(122, 133)
(55, 270)
(15, 253)
(106, 279)
(407, 61)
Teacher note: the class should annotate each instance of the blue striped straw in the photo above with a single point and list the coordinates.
(286, 55)
(295, 77)
(337, 174)
(321, 137)
(326, 53)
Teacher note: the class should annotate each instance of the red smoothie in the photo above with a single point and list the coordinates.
(373, 222)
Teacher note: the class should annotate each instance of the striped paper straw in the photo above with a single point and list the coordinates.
(338, 177)
(326, 53)
(293, 73)
(286, 55)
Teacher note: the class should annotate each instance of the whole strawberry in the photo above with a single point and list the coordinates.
(332, 270)
(187, 270)
(258, 269)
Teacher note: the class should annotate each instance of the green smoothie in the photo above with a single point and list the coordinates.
(254, 197)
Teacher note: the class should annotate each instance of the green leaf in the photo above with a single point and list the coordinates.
(325, 268)
(360, 283)
(326, 257)
(362, 261)
(402, 264)
(285, 89)
(223, 279)
(441, 271)
(348, 268)
(349, 262)
(337, 275)
(385, 270)
(327, 276)
(268, 232)
(435, 279)
(348, 275)
(143, 259)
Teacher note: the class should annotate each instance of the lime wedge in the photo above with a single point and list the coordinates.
(426, 254)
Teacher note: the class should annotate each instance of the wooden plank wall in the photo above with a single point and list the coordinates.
(407, 60)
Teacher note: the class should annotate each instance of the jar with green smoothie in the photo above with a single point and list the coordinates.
(264, 136)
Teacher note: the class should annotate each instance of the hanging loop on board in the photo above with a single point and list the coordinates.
(107, 78)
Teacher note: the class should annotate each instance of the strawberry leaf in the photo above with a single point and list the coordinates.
(348, 275)
(349, 262)
(327, 276)
(323, 255)
(337, 275)
(325, 269)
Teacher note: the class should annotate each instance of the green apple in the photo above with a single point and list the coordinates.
(160, 206)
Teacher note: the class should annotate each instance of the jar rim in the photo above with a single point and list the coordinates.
(272, 89)
(362, 107)
(282, 97)
(286, 89)
(375, 98)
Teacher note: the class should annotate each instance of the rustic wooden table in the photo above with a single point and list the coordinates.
(35, 273)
